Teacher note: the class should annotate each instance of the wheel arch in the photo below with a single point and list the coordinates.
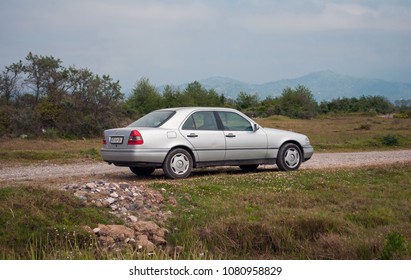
(190, 151)
(296, 143)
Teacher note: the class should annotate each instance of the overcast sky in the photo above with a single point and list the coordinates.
(172, 42)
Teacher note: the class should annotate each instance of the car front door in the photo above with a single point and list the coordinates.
(202, 131)
(242, 141)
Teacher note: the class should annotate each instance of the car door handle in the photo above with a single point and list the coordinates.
(230, 135)
(192, 135)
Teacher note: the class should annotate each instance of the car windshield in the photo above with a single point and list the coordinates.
(153, 119)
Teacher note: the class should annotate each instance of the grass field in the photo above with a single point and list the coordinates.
(27, 151)
(353, 132)
(310, 214)
(345, 214)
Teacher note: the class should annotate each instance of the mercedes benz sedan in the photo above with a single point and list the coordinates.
(180, 139)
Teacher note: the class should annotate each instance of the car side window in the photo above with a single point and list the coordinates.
(201, 121)
(235, 122)
(189, 124)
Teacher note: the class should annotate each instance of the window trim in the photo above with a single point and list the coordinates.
(160, 124)
(216, 118)
(235, 113)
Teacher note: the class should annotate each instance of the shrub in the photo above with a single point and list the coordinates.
(390, 140)
(364, 127)
(395, 244)
(298, 103)
(403, 115)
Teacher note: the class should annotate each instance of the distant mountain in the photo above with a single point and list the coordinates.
(324, 85)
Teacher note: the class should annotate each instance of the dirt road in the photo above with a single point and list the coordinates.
(318, 161)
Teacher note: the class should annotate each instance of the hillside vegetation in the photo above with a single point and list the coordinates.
(42, 97)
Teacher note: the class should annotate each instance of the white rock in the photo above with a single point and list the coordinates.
(114, 194)
(113, 207)
(91, 186)
(110, 200)
(132, 218)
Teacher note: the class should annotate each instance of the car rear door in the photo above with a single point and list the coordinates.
(202, 131)
(242, 141)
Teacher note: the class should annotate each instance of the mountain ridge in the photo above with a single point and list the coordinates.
(324, 85)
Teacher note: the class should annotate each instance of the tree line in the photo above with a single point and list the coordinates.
(40, 96)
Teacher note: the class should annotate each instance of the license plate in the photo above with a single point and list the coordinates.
(116, 140)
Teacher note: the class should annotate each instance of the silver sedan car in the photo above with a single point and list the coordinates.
(180, 139)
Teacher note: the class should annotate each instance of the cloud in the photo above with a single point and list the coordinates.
(128, 14)
(172, 41)
(328, 16)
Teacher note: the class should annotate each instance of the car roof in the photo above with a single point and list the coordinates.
(190, 109)
(183, 112)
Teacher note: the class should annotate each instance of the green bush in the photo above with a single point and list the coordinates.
(390, 140)
(403, 115)
(395, 244)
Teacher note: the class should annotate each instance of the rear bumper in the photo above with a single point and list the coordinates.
(132, 157)
(308, 152)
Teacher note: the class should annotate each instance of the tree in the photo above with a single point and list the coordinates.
(41, 95)
(403, 103)
(93, 103)
(9, 82)
(298, 103)
(144, 98)
(45, 75)
(196, 95)
(104, 97)
(246, 101)
(377, 104)
(270, 106)
(171, 97)
(213, 99)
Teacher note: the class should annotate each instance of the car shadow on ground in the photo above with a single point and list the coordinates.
(158, 174)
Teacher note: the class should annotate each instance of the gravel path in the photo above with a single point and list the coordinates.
(318, 161)
(357, 159)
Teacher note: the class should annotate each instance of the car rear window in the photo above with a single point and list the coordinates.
(153, 119)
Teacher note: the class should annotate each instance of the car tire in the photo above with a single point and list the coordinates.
(142, 171)
(249, 167)
(289, 157)
(178, 164)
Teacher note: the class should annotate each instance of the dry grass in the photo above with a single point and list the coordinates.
(26, 151)
(48, 144)
(346, 132)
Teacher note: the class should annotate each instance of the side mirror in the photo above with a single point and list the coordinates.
(256, 127)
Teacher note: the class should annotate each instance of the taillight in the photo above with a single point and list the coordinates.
(104, 139)
(135, 138)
